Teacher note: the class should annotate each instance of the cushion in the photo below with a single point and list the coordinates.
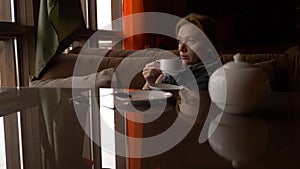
(89, 51)
(102, 79)
(294, 50)
(120, 53)
(63, 65)
(269, 68)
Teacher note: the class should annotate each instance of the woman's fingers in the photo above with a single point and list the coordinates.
(159, 79)
(152, 65)
(151, 74)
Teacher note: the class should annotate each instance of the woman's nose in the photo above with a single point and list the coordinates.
(182, 47)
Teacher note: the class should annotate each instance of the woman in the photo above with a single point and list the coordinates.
(194, 33)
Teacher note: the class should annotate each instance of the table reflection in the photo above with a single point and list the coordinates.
(62, 130)
(238, 138)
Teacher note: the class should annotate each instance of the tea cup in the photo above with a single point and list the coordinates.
(170, 66)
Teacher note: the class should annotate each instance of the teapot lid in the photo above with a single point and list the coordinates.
(238, 63)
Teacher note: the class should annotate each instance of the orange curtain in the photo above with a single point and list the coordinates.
(131, 7)
(134, 130)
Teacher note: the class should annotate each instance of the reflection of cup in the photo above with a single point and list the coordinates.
(170, 66)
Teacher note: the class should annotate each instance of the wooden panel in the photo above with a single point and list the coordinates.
(26, 41)
(12, 141)
(92, 15)
(31, 138)
(25, 12)
(84, 12)
(13, 29)
(116, 10)
(5, 11)
(27, 57)
(7, 66)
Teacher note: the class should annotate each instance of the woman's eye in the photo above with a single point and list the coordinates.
(187, 42)
(190, 42)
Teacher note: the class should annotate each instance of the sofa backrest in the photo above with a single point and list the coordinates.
(125, 62)
(282, 69)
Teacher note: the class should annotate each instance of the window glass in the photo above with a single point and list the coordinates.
(109, 23)
(104, 15)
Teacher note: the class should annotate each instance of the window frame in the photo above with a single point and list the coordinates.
(19, 56)
(24, 29)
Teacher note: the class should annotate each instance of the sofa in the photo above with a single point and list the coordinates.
(281, 68)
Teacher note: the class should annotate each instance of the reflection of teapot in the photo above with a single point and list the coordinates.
(238, 86)
(238, 138)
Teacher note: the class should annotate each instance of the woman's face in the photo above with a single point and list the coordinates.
(189, 42)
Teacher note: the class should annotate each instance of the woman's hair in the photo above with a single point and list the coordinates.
(204, 22)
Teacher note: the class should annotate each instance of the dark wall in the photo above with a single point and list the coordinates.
(241, 22)
(252, 21)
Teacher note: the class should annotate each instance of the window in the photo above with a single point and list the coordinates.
(103, 21)
(100, 20)
(16, 41)
(17, 51)
(7, 47)
(104, 15)
(18, 25)
(18, 22)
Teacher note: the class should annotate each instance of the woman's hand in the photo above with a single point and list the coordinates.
(151, 72)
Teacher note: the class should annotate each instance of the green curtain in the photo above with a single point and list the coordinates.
(60, 22)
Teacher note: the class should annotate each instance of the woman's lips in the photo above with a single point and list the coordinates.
(184, 57)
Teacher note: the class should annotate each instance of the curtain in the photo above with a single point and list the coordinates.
(131, 7)
(59, 23)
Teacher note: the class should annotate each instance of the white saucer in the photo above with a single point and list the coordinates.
(164, 86)
(141, 97)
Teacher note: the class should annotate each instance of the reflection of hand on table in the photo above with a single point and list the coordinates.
(194, 103)
(189, 101)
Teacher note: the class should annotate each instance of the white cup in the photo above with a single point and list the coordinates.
(170, 66)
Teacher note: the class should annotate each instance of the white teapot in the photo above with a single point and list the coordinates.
(238, 86)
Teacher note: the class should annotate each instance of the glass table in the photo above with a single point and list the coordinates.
(80, 128)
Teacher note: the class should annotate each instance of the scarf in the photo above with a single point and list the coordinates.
(200, 71)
